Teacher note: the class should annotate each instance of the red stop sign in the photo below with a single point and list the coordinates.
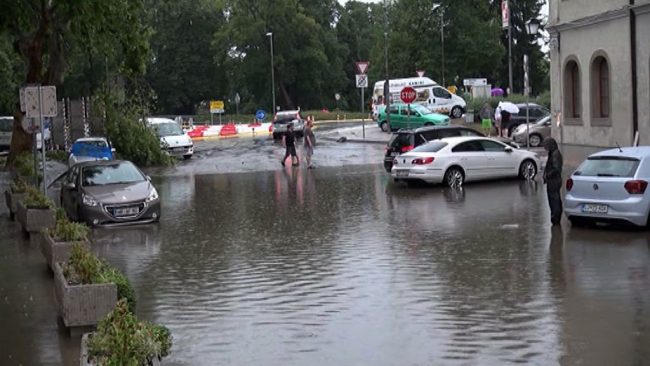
(407, 95)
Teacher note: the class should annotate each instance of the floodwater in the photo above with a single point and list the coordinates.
(339, 266)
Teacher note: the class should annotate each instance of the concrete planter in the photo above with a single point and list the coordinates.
(35, 220)
(82, 305)
(56, 251)
(83, 361)
(12, 200)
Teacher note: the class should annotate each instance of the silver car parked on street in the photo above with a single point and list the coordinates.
(610, 187)
(538, 131)
(108, 193)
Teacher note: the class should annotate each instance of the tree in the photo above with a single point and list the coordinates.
(183, 71)
(43, 33)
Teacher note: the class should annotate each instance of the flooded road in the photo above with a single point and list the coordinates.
(339, 266)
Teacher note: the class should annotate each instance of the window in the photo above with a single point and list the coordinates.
(394, 109)
(441, 93)
(469, 146)
(433, 146)
(110, 174)
(468, 132)
(572, 102)
(404, 111)
(608, 166)
(492, 146)
(600, 102)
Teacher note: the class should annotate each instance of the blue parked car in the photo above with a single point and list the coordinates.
(90, 149)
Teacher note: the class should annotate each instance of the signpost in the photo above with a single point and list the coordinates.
(39, 102)
(362, 83)
(216, 106)
(420, 73)
(237, 100)
(408, 95)
(260, 115)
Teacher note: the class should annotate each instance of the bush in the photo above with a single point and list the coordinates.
(24, 165)
(121, 339)
(58, 155)
(18, 185)
(132, 138)
(66, 230)
(36, 200)
(84, 267)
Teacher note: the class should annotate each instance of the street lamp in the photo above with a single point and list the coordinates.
(442, 38)
(270, 35)
(531, 28)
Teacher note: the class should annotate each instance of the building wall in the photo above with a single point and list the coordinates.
(643, 72)
(570, 10)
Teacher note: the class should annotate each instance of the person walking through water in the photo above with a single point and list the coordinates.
(289, 142)
(309, 142)
(553, 179)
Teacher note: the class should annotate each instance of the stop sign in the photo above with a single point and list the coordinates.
(407, 95)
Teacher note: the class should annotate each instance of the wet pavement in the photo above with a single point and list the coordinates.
(340, 266)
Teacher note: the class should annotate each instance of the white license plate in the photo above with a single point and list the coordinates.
(593, 208)
(126, 211)
(402, 173)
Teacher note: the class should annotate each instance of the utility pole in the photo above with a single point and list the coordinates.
(386, 81)
(270, 35)
(510, 90)
(442, 42)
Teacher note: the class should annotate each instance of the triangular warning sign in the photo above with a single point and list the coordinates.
(362, 66)
(420, 73)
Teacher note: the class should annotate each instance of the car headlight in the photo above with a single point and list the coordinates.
(153, 195)
(89, 201)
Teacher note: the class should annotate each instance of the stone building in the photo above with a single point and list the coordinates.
(600, 71)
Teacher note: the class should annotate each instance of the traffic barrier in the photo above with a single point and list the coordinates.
(228, 130)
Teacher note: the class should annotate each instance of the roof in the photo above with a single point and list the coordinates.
(523, 105)
(433, 128)
(638, 152)
(87, 139)
(101, 163)
(461, 139)
(155, 120)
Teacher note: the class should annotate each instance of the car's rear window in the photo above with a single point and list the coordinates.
(400, 139)
(433, 146)
(6, 125)
(608, 166)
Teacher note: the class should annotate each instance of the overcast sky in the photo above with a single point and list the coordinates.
(544, 9)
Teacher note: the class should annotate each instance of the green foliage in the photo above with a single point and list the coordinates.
(18, 185)
(24, 165)
(129, 135)
(58, 155)
(110, 274)
(121, 339)
(36, 200)
(68, 231)
(84, 267)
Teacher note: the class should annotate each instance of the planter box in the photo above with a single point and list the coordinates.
(35, 220)
(55, 251)
(82, 305)
(12, 200)
(83, 361)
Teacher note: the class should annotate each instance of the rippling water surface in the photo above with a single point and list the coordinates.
(342, 267)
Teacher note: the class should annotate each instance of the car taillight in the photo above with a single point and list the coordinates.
(407, 148)
(569, 184)
(636, 186)
(422, 161)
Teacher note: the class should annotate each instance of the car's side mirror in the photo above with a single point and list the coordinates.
(508, 149)
(148, 177)
(70, 186)
(548, 123)
(113, 150)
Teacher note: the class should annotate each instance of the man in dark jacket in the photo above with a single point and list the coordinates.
(553, 179)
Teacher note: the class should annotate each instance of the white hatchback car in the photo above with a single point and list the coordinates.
(455, 160)
(172, 137)
(610, 187)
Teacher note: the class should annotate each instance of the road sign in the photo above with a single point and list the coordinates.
(34, 108)
(260, 115)
(362, 66)
(475, 82)
(337, 96)
(216, 106)
(237, 98)
(407, 95)
(420, 73)
(362, 81)
(505, 14)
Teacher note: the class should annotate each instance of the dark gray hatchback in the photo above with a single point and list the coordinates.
(103, 193)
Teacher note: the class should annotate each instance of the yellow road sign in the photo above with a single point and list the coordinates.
(216, 106)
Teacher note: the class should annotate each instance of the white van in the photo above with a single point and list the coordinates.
(172, 138)
(430, 94)
(6, 131)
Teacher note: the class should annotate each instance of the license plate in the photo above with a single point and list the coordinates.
(126, 211)
(402, 173)
(593, 208)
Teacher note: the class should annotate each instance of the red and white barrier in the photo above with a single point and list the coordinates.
(230, 130)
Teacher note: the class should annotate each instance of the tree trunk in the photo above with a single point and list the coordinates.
(288, 102)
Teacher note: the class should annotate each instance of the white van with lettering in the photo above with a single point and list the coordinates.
(429, 94)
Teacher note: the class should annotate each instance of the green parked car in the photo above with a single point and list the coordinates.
(409, 116)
